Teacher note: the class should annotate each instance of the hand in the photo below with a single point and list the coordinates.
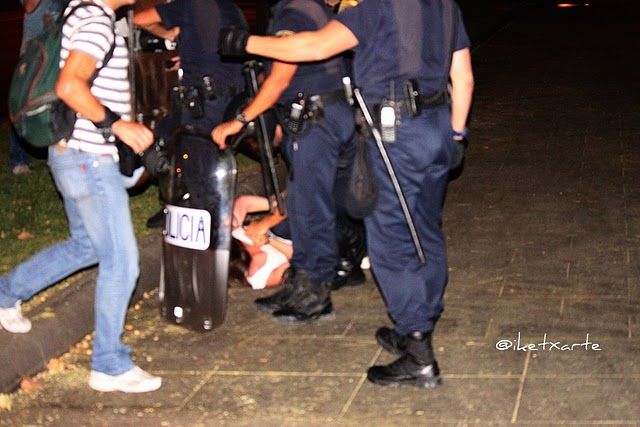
(173, 64)
(239, 213)
(173, 34)
(224, 130)
(135, 135)
(233, 42)
(257, 233)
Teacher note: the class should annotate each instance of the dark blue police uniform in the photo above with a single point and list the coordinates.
(200, 22)
(399, 41)
(314, 154)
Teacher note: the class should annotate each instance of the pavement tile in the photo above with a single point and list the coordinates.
(580, 401)
(463, 357)
(252, 396)
(461, 400)
(299, 354)
(617, 358)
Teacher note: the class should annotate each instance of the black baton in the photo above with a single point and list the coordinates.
(392, 174)
(266, 152)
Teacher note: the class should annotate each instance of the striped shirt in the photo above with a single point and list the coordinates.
(90, 31)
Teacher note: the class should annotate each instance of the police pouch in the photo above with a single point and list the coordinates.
(194, 101)
(361, 196)
(129, 161)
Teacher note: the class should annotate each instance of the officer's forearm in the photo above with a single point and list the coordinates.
(460, 105)
(295, 48)
(461, 88)
(305, 46)
(270, 91)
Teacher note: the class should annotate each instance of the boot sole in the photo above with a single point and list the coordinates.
(418, 382)
(294, 321)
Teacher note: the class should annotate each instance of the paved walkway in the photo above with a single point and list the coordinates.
(544, 246)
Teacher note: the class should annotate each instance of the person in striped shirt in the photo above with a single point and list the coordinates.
(86, 173)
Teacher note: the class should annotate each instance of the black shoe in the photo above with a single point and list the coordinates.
(405, 371)
(347, 275)
(293, 316)
(351, 249)
(156, 220)
(312, 303)
(391, 341)
(417, 366)
(282, 297)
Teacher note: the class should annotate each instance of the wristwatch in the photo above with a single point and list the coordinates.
(242, 118)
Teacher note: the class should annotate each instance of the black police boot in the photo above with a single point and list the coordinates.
(351, 248)
(417, 366)
(282, 297)
(156, 220)
(391, 341)
(313, 302)
(347, 274)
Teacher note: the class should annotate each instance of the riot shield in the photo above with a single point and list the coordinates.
(198, 193)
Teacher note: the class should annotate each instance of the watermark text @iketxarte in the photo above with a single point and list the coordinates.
(547, 344)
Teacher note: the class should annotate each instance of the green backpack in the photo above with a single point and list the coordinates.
(35, 110)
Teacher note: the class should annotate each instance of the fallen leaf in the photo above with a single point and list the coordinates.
(24, 235)
(6, 402)
(56, 365)
(29, 385)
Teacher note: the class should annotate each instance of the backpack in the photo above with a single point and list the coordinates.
(35, 110)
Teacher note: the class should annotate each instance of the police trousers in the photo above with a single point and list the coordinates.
(421, 156)
(310, 197)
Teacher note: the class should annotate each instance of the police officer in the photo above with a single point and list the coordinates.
(208, 81)
(395, 43)
(320, 126)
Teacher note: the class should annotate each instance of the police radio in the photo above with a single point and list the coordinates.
(296, 116)
(388, 116)
(388, 122)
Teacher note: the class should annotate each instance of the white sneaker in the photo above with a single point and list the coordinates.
(135, 380)
(13, 321)
(20, 169)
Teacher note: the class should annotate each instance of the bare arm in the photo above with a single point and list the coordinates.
(462, 83)
(275, 83)
(330, 40)
(73, 88)
(150, 20)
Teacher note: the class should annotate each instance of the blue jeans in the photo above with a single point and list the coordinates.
(17, 153)
(97, 207)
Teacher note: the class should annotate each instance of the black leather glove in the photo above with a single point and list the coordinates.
(233, 42)
(458, 150)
